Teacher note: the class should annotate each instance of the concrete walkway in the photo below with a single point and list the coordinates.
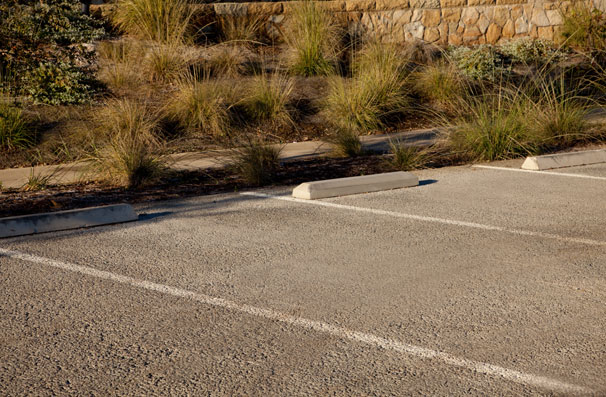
(14, 178)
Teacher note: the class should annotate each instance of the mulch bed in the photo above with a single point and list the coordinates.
(183, 184)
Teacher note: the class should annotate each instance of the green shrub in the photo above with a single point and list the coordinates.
(532, 51)
(50, 22)
(584, 27)
(377, 90)
(312, 38)
(256, 162)
(163, 21)
(202, 105)
(57, 83)
(15, 133)
(268, 99)
(49, 32)
(484, 62)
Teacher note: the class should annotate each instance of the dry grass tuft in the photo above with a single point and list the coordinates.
(346, 143)
(268, 99)
(202, 105)
(257, 162)
(244, 29)
(163, 21)
(129, 159)
(313, 40)
(377, 90)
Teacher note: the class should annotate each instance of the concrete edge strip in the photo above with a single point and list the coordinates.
(66, 220)
(490, 167)
(561, 160)
(423, 218)
(354, 185)
(318, 326)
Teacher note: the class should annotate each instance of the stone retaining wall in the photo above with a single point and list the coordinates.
(454, 22)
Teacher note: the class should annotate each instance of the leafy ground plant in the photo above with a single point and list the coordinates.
(256, 161)
(313, 39)
(58, 83)
(532, 51)
(40, 48)
(484, 62)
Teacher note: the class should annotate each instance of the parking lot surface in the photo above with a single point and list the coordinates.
(481, 281)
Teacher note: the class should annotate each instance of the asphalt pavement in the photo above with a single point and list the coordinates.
(480, 281)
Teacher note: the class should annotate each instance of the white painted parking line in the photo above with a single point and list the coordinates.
(319, 326)
(431, 219)
(490, 167)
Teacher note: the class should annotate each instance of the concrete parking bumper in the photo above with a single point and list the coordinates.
(65, 220)
(561, 160)
(354, 185)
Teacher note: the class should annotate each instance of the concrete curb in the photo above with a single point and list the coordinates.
(561, 160)
(65, 220)
(354, 185)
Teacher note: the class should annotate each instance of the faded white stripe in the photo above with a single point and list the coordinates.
(319, 326)
(490, 167)
(431, 219)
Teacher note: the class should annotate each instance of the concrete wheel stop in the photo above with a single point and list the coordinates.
(561, 160)
(66, 220)
(354, 185)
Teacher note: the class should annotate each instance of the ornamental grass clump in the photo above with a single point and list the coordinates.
(163, 21)
(406, 157)
(202, 105)
(268, 99)
(235, 29)
(257, 162)
(15, 131)
(165, 63)
(492, 127)
(129, 158)
(442, 84)
(346, 143)
(378, 90)
(559, 113)
(313, 40)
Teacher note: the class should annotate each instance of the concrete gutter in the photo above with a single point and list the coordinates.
(354, 185)
(561, 160)
(65, 220)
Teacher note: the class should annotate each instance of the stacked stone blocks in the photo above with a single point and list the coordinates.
(456, 22)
